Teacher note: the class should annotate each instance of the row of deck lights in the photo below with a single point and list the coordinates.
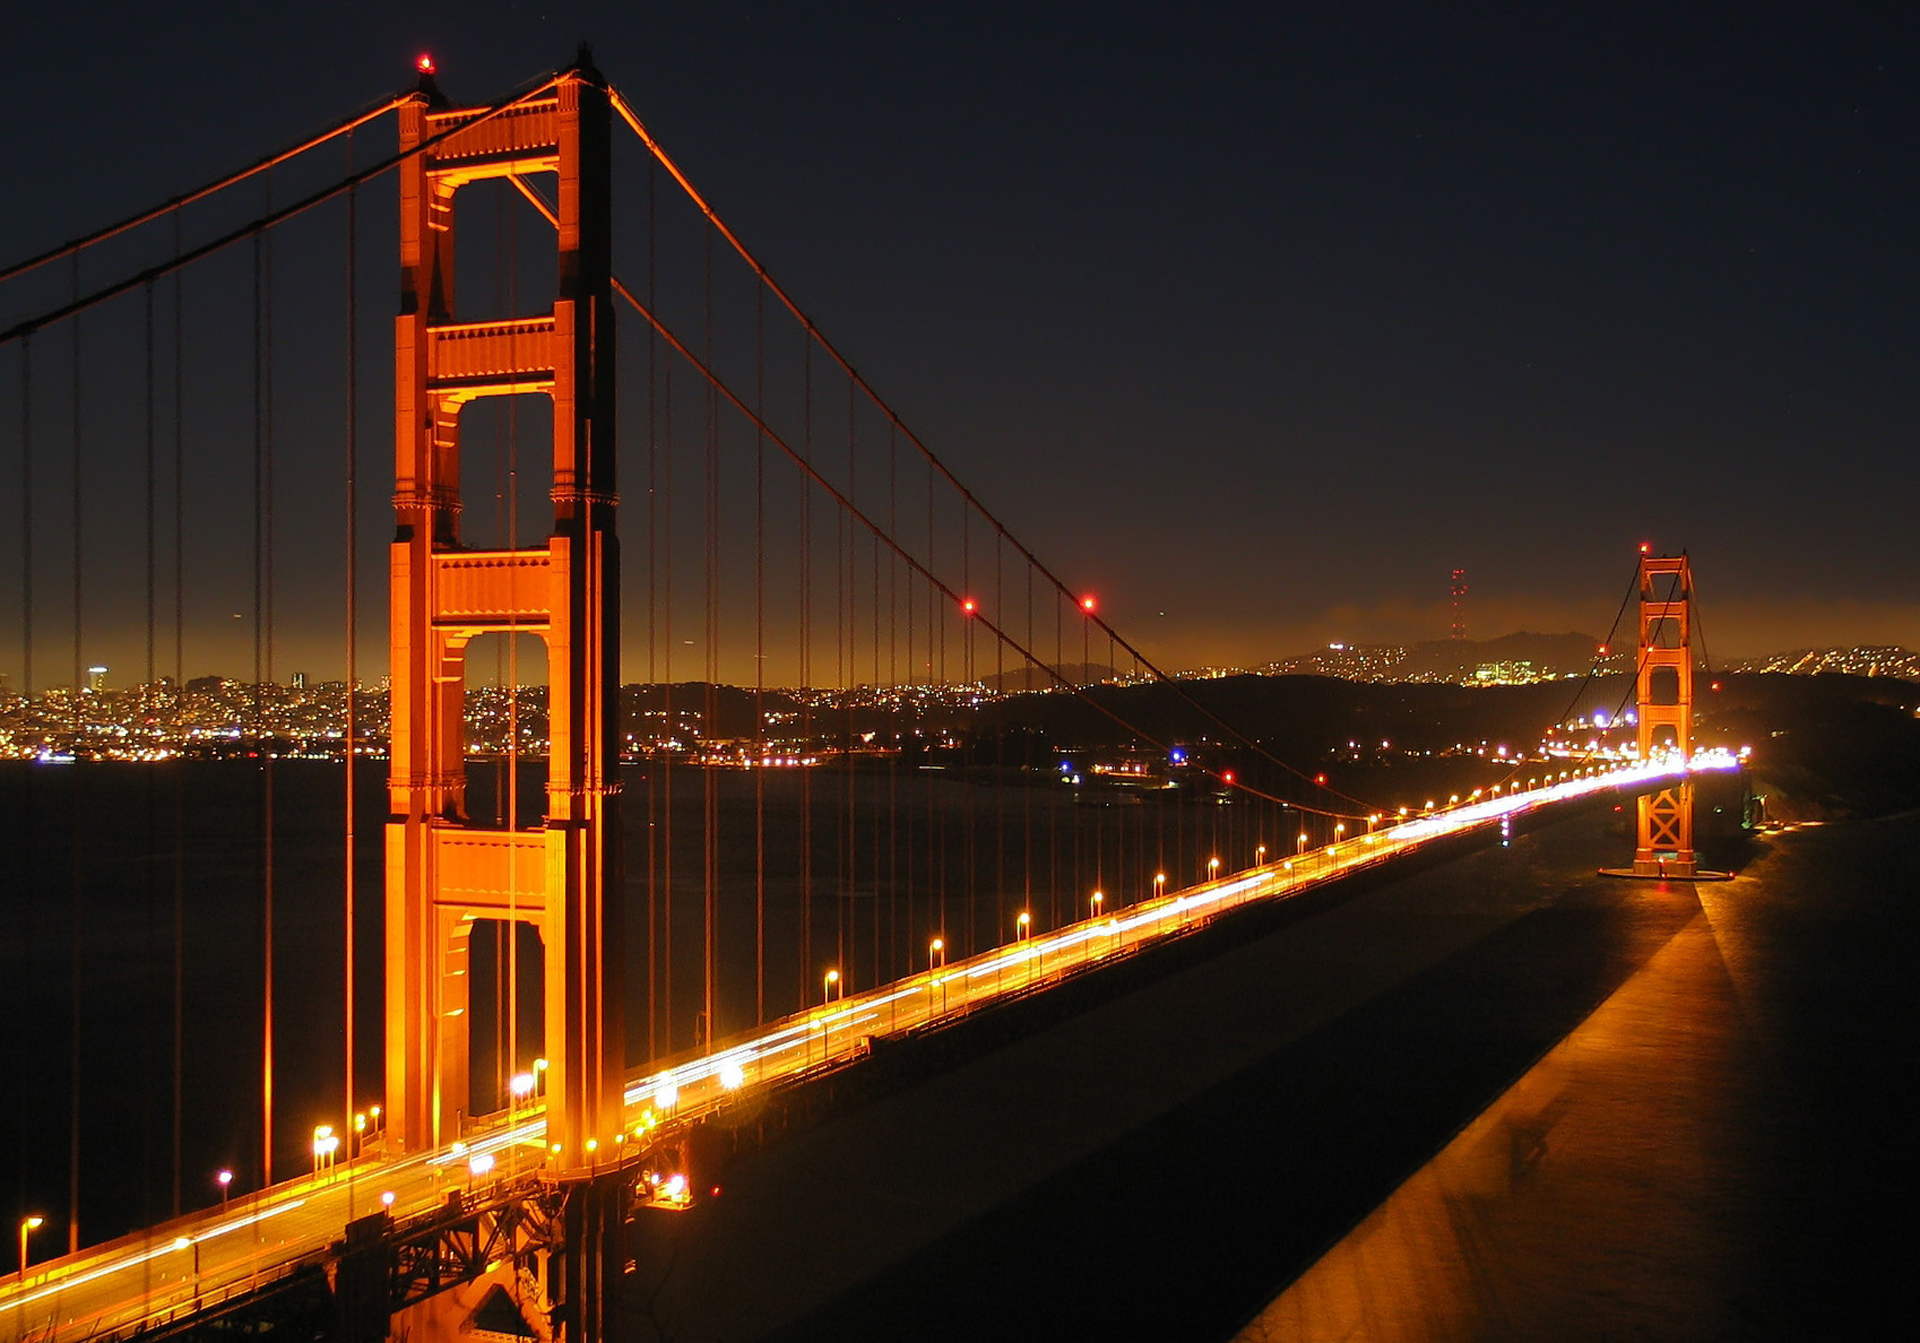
(524, 1086)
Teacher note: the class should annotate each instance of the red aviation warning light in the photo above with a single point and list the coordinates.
(424, 64)
(1087, 603)
(968, 606)
(1646, 547)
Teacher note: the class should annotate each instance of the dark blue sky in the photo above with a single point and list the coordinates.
(1264, 321)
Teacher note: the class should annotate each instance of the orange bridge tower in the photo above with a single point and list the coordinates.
(562, 875)
(1665, 699)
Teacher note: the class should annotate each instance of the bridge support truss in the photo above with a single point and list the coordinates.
(563, 876)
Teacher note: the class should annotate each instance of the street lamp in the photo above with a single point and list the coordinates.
(1093, 904)
(325, 1143)
(1213, 868)
(193, 1243)
(937, 947)
(1023, 925)
(1302, 847)
(27, 1225)
(832, 979)
(1260, 855)
(225, 1181)
(1159, 884)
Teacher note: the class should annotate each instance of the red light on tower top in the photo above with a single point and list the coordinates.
(968, 605)
(1087, 603)
(1646, 547)
(424, 64)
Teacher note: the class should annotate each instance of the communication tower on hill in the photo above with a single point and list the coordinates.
(1458, 591)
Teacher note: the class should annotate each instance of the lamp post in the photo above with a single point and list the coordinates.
(225, 1180)
(28, 1225)
(1213, 869)
(482, 1162)
(1023, 925)
(1260, 855)
(519, 1093)
(189, 1242)
(937, 947)
(1093, 913)
(325, 1143)
(1159, 884)
(826, 997)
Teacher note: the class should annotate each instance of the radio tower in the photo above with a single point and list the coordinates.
(1459, 594)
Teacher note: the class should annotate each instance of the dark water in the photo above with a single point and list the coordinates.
(1719, 1150)
(107, 849)
(1499, 1098)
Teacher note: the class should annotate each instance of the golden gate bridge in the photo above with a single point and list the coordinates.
(637, 907)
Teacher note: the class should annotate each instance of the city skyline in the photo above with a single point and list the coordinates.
(1256, 327)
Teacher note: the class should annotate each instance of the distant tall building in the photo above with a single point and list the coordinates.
(299, 680)
(96, 679)
(1459, 593)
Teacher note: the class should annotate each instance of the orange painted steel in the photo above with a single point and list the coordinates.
(442, 871)
(1665, 701)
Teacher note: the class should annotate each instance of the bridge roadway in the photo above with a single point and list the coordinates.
(173, 1270)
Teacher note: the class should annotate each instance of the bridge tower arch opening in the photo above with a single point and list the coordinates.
(562, 875)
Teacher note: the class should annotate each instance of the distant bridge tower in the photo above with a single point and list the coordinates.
(563, 877)
(1665, 699)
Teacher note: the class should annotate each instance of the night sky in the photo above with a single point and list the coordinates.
(1256, 323)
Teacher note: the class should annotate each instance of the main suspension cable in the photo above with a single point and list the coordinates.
(700, 202)
(200, 193)
(80, 303)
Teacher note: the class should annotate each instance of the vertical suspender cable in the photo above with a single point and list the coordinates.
(653, 681)
(999, 752)
(512, 959)
(30, 876)
(666, 671)
(759, 656)
(179, 692)
(710, 716)
(149, 784)
(844, 655)
(79, 781)
(353, 606)
(806, 684)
